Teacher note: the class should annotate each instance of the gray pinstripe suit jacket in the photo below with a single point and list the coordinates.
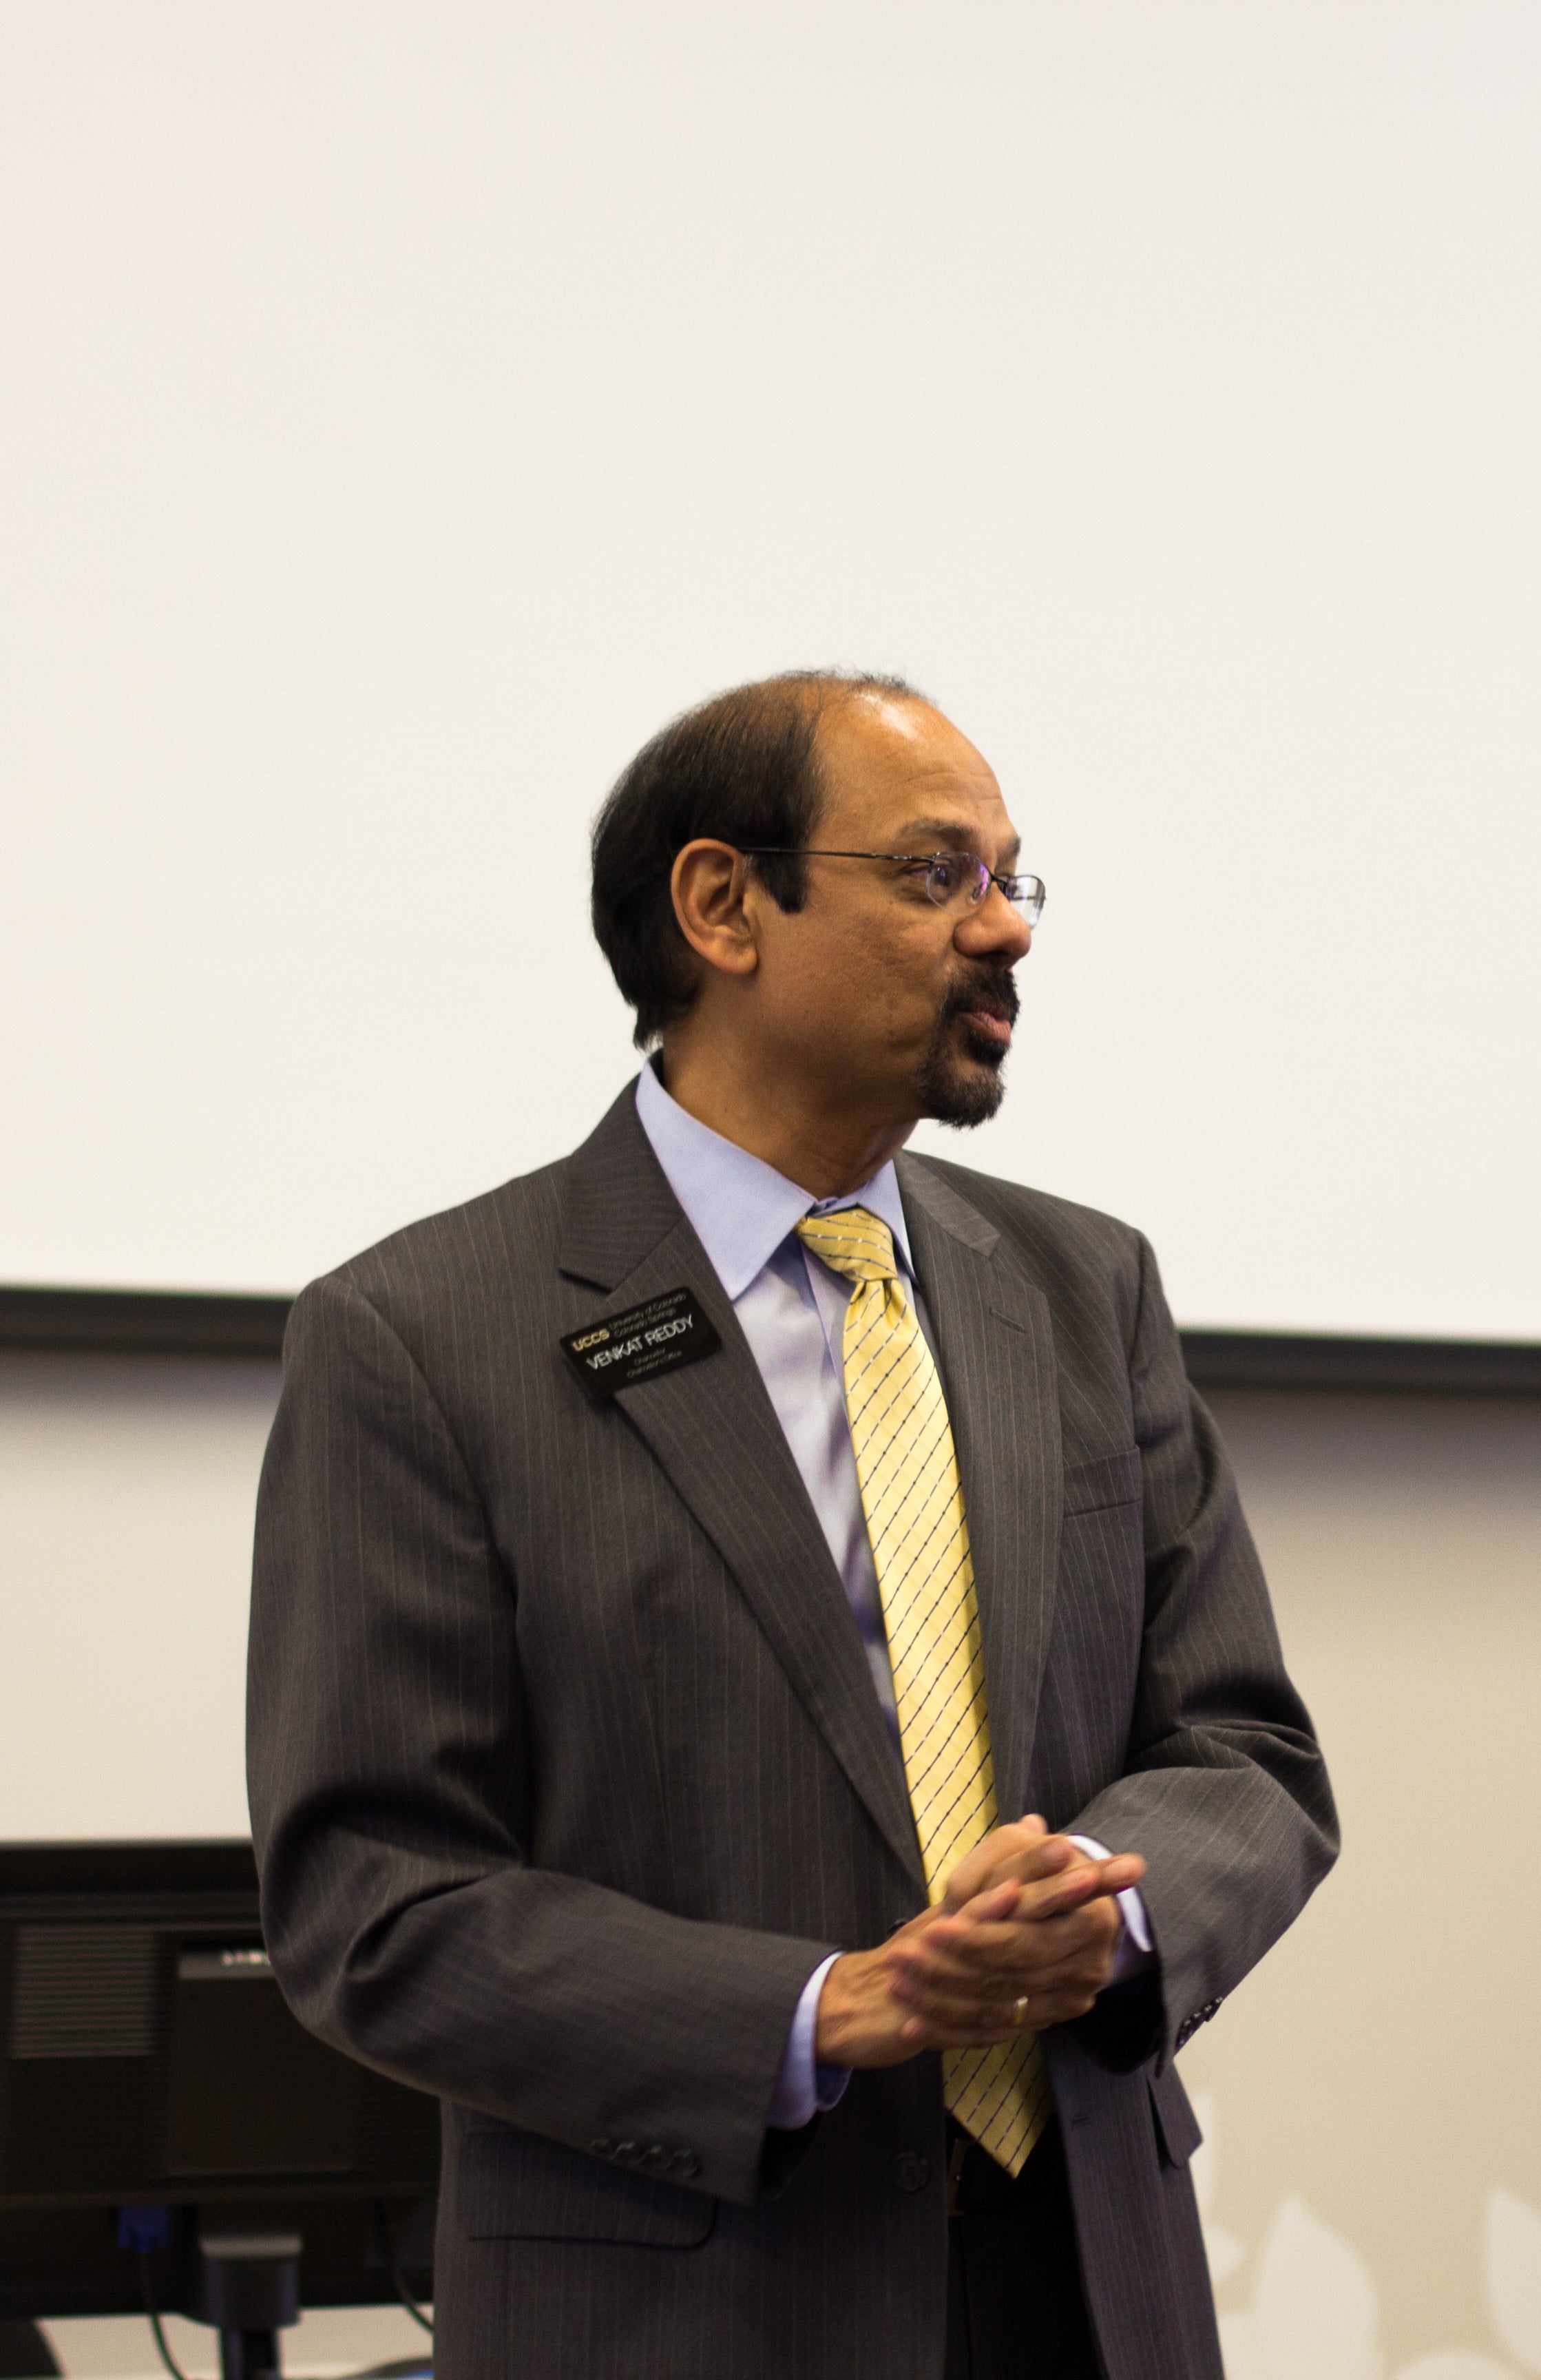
(566, 1769)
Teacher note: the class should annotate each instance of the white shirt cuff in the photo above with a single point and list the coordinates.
(803, 2086)
(1134, 1949)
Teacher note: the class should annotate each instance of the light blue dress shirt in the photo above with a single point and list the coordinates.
(792, 1310)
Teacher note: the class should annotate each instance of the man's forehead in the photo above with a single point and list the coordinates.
(905, 764)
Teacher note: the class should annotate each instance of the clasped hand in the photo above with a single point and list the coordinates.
(1025, 1918)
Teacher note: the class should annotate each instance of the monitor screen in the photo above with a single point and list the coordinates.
(149, 2063)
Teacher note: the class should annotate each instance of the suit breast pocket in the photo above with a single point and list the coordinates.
(1105, 1482)
(514, 2185)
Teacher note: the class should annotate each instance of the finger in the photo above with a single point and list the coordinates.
(1093, 1921)
(1027, 1902)
(1096, 1880)
(944, 1971)
(1077, 1932)
(1091, 1883)
(999, 1903)
(1087, 1970)
(1105, 1876)
(974, 1872)
(1054, 1854)
(980, 1996)
(1085, 1911)
(959, 2017)
(1051, 1856)
(977, 1954)
(986, 1940)
(929, 1995)
(956, 1956)
(963, 2031)
(950, 2021)
(990, 1988)
(1007, 1855)
(1002, 1901)
(1069, 1888)
(998, 1987)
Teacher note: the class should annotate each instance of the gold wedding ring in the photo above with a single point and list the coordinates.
(1019, 2011)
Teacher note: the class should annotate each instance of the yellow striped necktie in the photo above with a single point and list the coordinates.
(912, 1499)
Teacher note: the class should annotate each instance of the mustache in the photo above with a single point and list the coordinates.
(982, 987)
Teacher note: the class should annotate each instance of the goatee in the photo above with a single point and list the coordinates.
(953, 1092)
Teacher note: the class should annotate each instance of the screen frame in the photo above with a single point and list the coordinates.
(224, 1324)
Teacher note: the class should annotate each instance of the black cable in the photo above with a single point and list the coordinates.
(148, 2288)
(397, 2279)
(397, 2371)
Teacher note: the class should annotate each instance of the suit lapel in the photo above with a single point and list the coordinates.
(713, 1430)
(995, 1350)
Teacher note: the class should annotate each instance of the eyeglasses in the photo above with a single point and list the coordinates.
(957, 880)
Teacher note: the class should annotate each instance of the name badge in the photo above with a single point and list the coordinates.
(624, 1349)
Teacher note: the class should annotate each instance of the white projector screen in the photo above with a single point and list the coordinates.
(406, 407)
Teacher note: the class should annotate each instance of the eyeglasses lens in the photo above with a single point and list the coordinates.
(958, 881)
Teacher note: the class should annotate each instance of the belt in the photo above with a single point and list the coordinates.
(975, 2184)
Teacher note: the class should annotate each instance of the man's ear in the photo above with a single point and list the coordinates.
(709, 881)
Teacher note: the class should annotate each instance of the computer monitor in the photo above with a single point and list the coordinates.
(154, 2087)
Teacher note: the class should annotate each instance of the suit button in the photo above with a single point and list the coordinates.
(602, 2148)
(626, 2152)
(911, 2171)
(685, 2163)
(654, 2159)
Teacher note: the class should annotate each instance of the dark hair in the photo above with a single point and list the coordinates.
(743, 767)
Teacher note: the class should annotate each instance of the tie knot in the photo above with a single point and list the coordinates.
(852, 1243)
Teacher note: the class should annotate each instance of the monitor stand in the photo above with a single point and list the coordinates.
(248, 2291)
(25, 2353)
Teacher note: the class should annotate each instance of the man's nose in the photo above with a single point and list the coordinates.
(995, 930)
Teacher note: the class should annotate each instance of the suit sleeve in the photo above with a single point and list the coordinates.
(390, 1759)
(1224, 1790)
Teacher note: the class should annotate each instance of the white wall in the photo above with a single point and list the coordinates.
(1377, 2081)
(412, 403)
(1370, 2088)
(127, 1490)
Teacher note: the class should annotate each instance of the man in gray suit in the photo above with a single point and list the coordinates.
(677, 1570)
